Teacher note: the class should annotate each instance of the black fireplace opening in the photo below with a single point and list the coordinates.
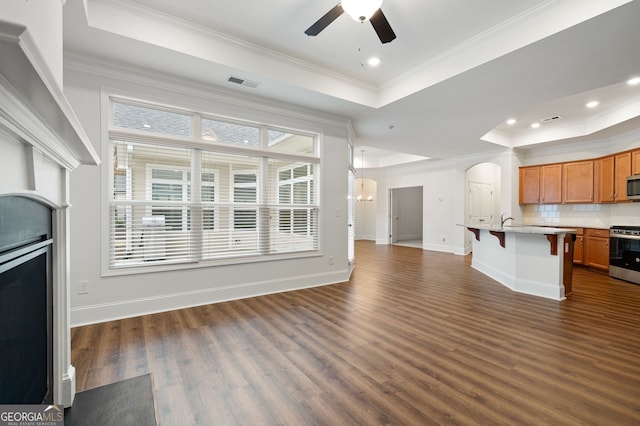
(26, 307)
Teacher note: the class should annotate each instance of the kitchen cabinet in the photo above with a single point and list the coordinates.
(605, 178)
(635, 162)
(596, 245)
(578, 247)
(530, 185)
(599, 180)
(551, 184)
(622, 169)
(577, 182)
(611, 177)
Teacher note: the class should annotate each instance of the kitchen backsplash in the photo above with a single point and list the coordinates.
(582, 215)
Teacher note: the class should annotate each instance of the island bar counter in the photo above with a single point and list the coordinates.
(528, 259)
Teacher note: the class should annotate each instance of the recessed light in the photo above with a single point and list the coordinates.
(535, 125)
(146, 126)
(592, 104)
(511, 121)
(373, 61)
(633, 81)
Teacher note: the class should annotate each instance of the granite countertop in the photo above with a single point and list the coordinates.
(523, 229)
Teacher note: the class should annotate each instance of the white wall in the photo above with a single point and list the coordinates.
(444, 196)
(130, 295)
(43, 18)
(439, 189)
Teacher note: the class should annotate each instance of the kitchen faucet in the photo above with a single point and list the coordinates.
(503, 220)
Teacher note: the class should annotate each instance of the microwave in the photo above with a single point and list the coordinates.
(633, 187)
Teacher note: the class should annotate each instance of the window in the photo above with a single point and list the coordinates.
(169, 185)
(245, 191)
(233, 190)
(295, 186)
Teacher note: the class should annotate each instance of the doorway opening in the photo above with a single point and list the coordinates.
(406, 216)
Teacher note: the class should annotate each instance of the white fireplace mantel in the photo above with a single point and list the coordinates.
(41, 142)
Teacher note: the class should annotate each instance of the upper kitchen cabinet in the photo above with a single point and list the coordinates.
(530, 185)
(551, 184)
(600, 180)
(635, 162)
(605, 179)
(541, 184)
(622, 169)
(577, 182)
(611, 177)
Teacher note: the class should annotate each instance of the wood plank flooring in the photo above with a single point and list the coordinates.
(414, 338)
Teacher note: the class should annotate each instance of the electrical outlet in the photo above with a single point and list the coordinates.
(330, 260)
(83, 287)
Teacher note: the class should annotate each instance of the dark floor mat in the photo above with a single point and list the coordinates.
(129, 402)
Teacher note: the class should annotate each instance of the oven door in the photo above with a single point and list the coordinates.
(624, 257)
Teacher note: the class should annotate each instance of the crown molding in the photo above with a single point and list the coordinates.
(74, 61)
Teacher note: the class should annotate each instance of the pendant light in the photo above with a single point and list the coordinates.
(361, 196)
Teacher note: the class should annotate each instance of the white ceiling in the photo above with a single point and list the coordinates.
(457, 70)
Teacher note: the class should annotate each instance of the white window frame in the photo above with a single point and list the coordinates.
(195, 141)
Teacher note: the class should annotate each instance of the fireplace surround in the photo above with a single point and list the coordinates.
(42, 142)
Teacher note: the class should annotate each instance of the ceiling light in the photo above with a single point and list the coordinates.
(373, 61)
(535, 125)
(592, 104)
(361, 196)
(361, 10)
(146, 126)
(511, 121)
(634, 81)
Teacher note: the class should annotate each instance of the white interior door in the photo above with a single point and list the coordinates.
(480, 203)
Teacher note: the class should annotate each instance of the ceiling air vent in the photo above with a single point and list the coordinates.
(552, 118)
(243, 82)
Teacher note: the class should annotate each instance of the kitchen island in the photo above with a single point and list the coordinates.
(528, 259)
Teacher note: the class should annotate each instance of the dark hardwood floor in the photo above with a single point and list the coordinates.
(414, 338)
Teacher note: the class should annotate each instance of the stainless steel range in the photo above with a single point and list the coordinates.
(624, 253)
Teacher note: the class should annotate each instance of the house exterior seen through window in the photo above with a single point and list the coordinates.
(226, 190)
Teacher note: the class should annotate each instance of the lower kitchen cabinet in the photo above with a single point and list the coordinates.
(578, 248)
(596, 248)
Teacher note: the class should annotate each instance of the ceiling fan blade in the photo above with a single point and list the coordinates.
(323, 22)
(382, 27)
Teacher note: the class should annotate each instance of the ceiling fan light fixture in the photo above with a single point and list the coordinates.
(361, 10)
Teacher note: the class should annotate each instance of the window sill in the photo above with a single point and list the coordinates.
(186, 265)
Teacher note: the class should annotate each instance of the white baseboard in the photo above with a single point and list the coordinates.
(439, 247)
(67, 389)
(98, 313)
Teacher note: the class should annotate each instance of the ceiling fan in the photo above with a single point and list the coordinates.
(361, 11)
